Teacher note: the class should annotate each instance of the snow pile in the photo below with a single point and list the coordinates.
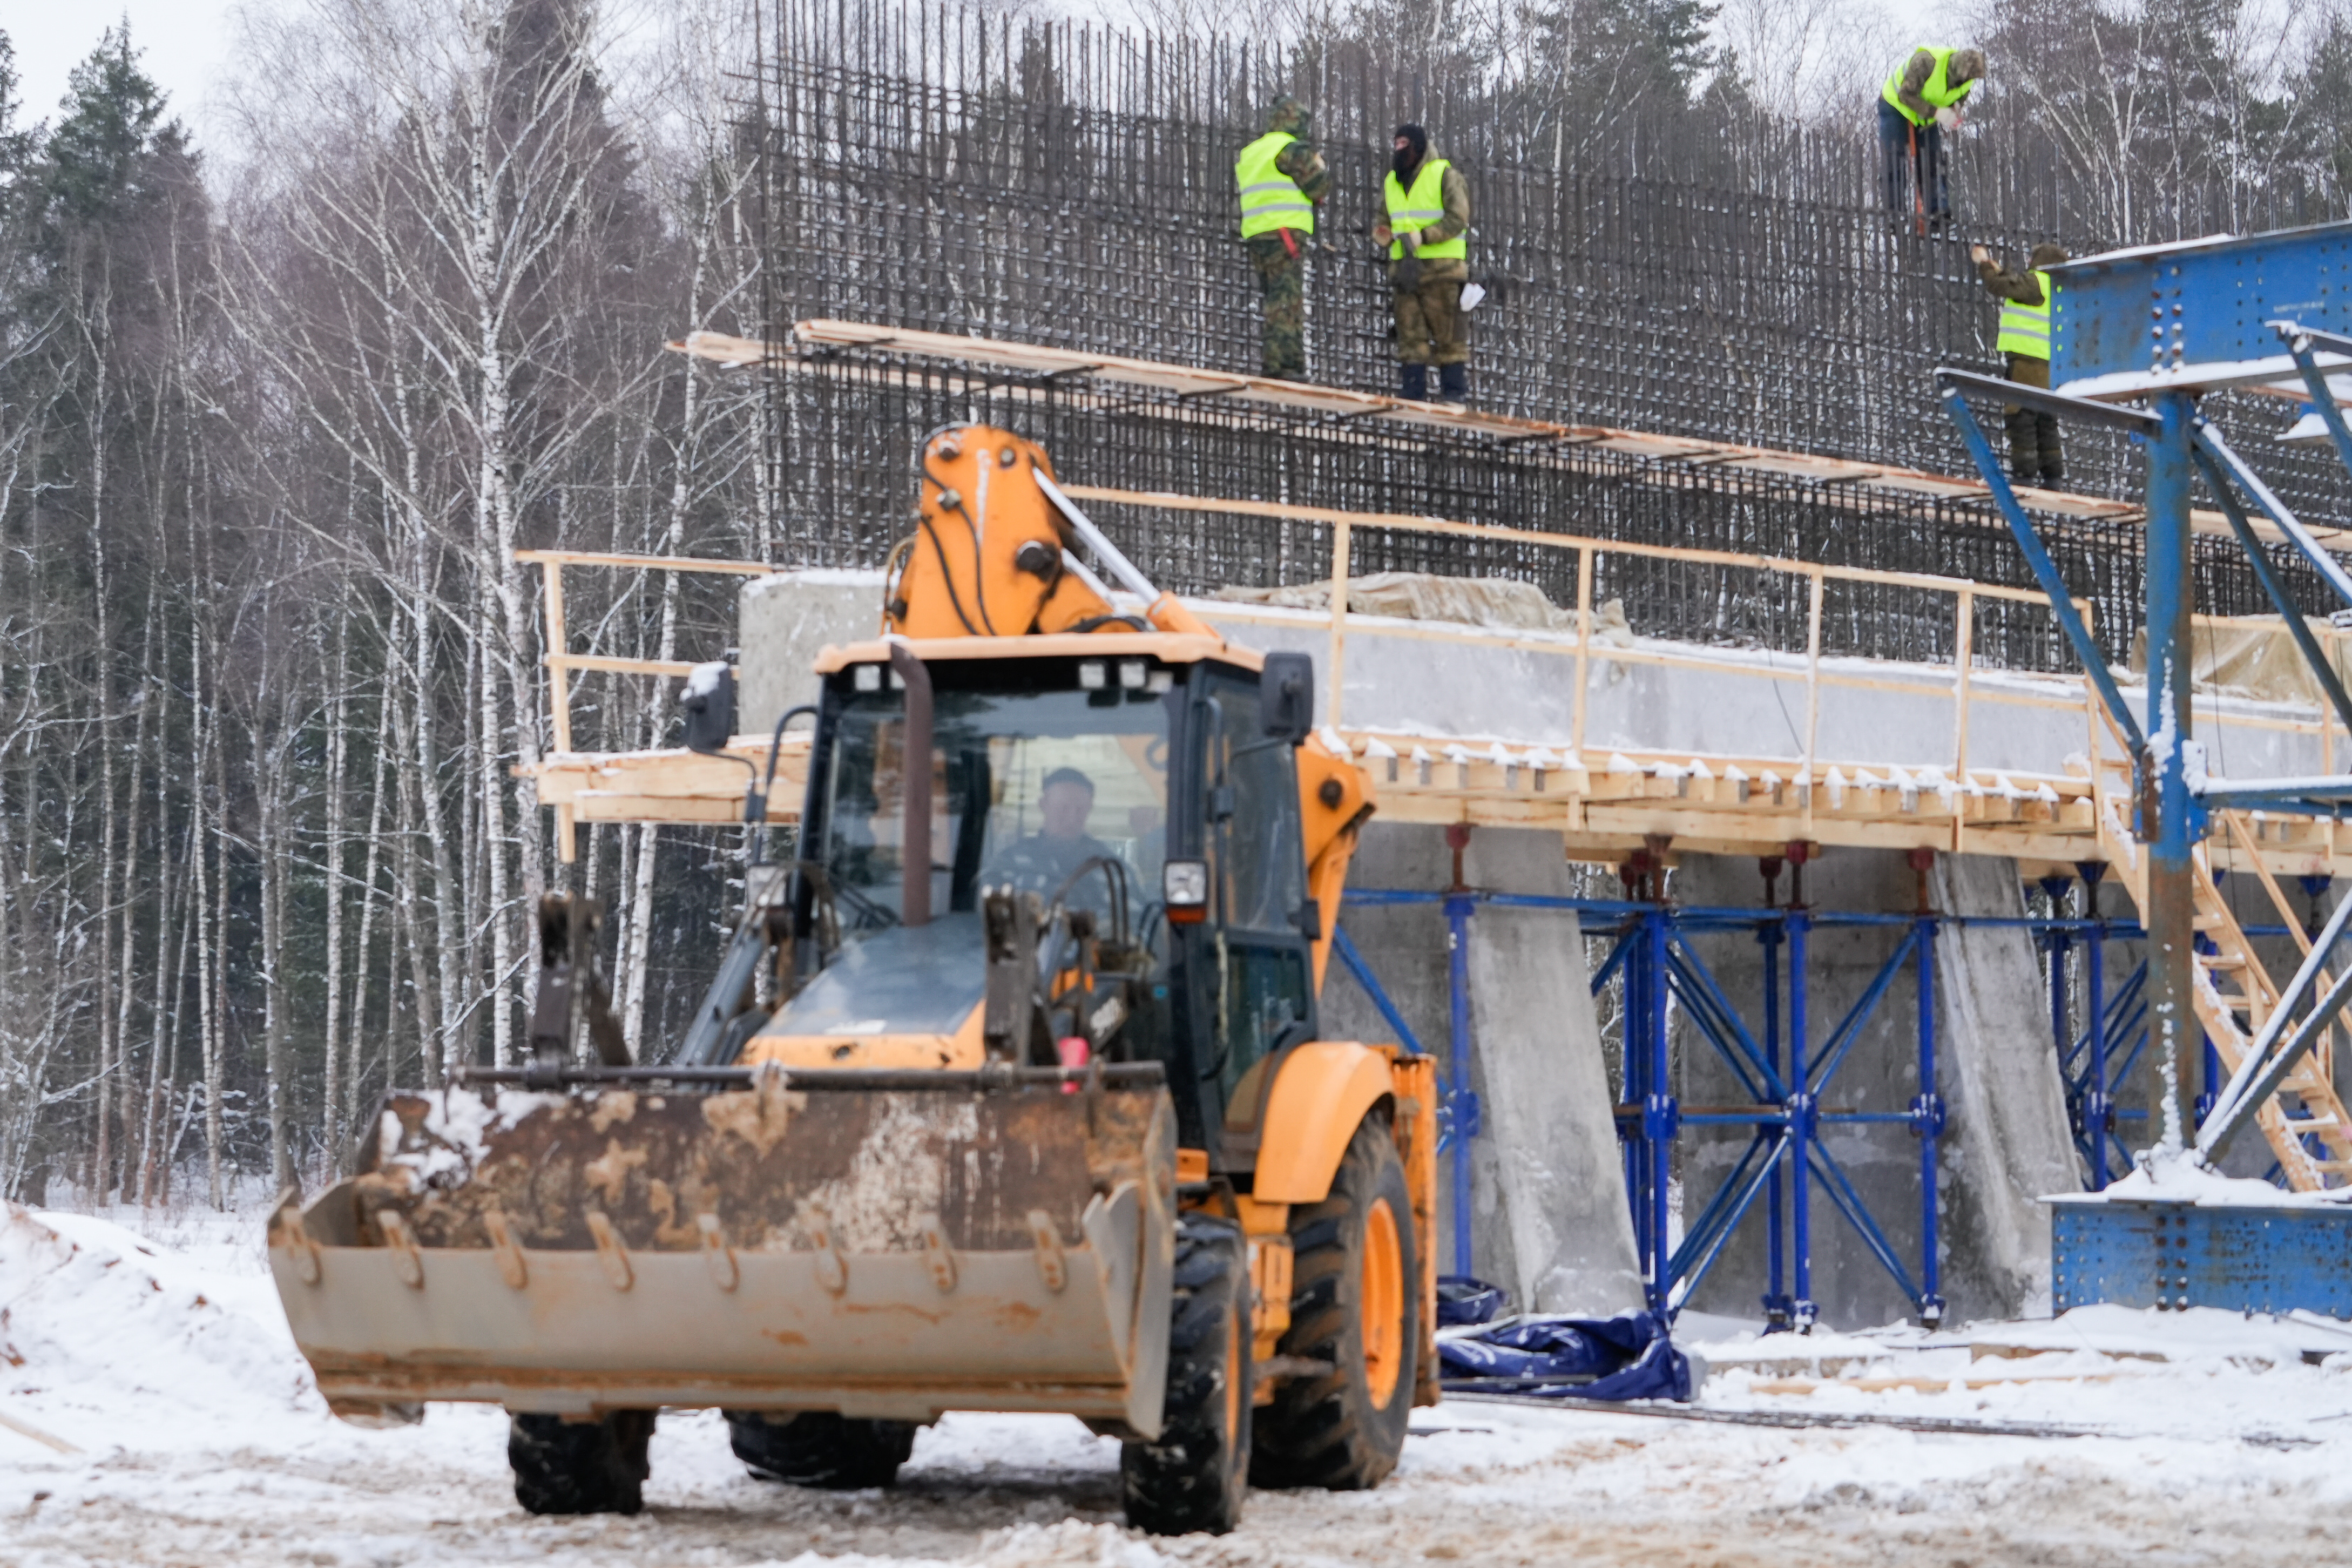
(2206, 1337)
(2188, 1180)
(1069, 1544)
(108, 1344)
(457, 1131)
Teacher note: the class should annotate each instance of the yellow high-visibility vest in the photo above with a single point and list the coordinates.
(2025, 329)
(1937, 90)
(1418, 208)
(1270, 198)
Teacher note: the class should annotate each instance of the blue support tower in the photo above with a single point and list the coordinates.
(2159, 326)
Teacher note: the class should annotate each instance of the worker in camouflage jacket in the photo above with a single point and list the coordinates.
(2026, 297)
(1427, 231)
(1282, 179)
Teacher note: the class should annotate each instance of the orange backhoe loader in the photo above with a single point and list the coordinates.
(1014, 1099)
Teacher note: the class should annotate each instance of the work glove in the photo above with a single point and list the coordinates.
(1406, 274)
(1948, 118)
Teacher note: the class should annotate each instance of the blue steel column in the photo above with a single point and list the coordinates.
(2096, 1105)
(1636, 1145)
(1464, 1101)
(2059, 944)
(1776, 1291)
(1928, 1122)
(2163, 781)
(1660, 1114)
(1801, 1311)
(1638, 979)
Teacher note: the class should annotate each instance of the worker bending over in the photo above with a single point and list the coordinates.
(1281, 179)
(2026, 297)
(1921, 102)
(1427, 232)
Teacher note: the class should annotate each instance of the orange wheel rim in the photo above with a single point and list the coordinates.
(1382, 1304)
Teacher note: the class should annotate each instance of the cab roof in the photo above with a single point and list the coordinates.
(1169, 647)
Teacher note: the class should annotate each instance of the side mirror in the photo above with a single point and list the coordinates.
(1286, 695)
(708, 703)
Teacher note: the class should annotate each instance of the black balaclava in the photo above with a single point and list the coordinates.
(1408, 160)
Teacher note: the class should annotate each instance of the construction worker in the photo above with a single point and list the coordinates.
(2024, 342)
(1281, 179)
(1921, 102)
(1427, 231)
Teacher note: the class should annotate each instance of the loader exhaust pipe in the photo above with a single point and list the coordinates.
(915, 891)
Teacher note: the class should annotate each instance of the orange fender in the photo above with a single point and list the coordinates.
(1320, 1099)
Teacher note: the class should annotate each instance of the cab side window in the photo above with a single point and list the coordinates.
(1257, 862)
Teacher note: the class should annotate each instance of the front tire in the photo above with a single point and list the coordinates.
(580, 1466)
(1193, 1476)
(820, 1448)
(1355, 1303)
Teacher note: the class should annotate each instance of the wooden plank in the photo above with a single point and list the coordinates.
(618, 665)
(1413, 522)
(1389, 411)
(644, 563)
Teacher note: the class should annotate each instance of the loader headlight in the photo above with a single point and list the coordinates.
(1184, 889)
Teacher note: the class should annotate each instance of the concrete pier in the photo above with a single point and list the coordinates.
(1551, 1220)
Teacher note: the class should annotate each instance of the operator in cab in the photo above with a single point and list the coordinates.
(1046, 859)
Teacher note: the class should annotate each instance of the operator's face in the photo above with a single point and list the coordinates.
(1064, 807)
(1404, 144)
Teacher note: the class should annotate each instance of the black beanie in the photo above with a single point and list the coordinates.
(1406, 162)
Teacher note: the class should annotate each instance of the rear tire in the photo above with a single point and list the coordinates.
(580, 1466)
(1193, 1476)
(1353, 1258)
(820, 1448)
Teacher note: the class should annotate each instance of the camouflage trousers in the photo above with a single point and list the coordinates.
(2035, 457)
(1430, 328)
(1282, 288)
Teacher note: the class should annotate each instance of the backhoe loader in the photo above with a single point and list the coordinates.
(1011, 1099)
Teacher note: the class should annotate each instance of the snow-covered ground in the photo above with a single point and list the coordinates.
(166, 1365)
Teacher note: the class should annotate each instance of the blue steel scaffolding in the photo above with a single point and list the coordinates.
(1784, 1069)
(1777, 1064)
(2108, 1048)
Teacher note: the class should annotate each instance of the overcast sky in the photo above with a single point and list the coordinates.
(186, 44)
(185, 41)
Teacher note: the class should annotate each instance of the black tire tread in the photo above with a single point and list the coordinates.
(1193, 1476)
(1325, 1431)
(580, 1467)
(821, 1447)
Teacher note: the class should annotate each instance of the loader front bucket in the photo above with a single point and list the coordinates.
(881, 1243)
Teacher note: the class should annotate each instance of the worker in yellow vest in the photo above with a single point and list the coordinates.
(1427, 231)
(2026, 298)
(1920, 102)
(1281, 178)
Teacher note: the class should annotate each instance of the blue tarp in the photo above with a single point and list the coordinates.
(1628, 1357)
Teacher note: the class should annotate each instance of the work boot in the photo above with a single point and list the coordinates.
(1454, 384)
(1416, 381)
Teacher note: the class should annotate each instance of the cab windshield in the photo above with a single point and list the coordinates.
(1036, 771)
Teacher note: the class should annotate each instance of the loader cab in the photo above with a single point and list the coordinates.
(1149, 801)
